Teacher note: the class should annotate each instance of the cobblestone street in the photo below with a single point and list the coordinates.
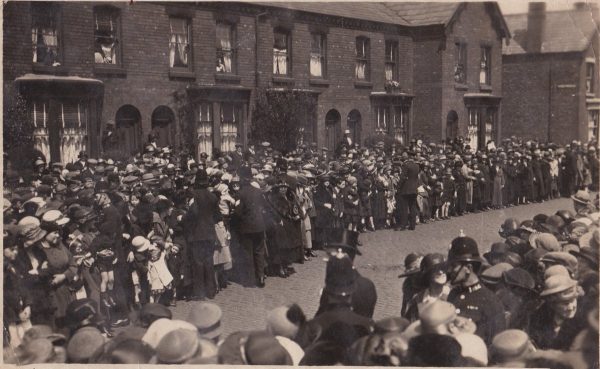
(382, 260)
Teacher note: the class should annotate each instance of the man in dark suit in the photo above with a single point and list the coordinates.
(407, 191)
(364, 297)
(251, 226)
(199, 227)
(237, 157)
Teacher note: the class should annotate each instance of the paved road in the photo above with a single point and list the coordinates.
(382, 260)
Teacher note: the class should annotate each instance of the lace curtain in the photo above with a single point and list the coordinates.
(224, 48)
(73, 133)
(229, 126)
(280, 54)
(178, 44)
(204, 130)
(106, 38)
(389, 72)
(45, 45)
(41, 140)
(316, 69)
(473, 129)
(316, 55)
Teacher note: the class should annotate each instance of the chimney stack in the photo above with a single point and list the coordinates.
(536, 21)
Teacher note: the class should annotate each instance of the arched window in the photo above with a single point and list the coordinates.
(163, 126)
(129, 129)
(354, 125)
(332, 129)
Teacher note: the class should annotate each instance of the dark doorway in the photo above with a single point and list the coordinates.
(452, 125)
(163, 126)
(355, 125)
(333, 129)
(129, 129)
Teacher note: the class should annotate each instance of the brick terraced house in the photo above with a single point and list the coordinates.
(189, 73)
(550, 68)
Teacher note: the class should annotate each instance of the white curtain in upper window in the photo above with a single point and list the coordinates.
(280, 53)
(178, 44)
(224, 36)
(361, 67)
(389, 73)
(316, 68)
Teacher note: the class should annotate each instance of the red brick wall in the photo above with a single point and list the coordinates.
(436, 94)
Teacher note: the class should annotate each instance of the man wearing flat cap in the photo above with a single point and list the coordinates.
(472, 299)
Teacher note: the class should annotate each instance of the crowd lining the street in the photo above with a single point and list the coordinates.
(88, 243)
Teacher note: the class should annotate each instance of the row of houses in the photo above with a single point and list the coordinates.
(189, 73)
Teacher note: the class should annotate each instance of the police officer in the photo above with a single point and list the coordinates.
(472, 299)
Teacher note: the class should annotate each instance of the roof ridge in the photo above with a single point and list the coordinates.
(395, 13)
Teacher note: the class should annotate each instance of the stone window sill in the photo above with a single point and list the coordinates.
(460, 86)
(281, 79)
(110, 70)
(319, 82)
(222, 77)
(485, 87)
(48, 69)
(363, 84)
(181, 73)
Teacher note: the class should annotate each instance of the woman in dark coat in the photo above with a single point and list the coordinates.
(284, 240)
(324, 207)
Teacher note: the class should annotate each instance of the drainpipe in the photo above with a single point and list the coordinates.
(256, 74)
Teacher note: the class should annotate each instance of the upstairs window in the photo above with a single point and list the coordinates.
(44, 34)
(362, 59)
(179, 43)
(225, 50)
(281, 52)
(589, 78)
(460, 66)
(485, 70)
(106, 35)
(318, 61)
(391, 60)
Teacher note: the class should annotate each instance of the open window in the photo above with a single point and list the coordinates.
(45, 34)
(107, 28)
(179, 43)
(281, 52)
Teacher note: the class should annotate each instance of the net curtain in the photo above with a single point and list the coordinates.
(280, 53)
(229, 127)
(224, 46)
(45, 42)
(178, 45)
(204, 130)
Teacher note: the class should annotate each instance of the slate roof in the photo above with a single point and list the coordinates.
(564, 31)
(371, 11)
(424, 14)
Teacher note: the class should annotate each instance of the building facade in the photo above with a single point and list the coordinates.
(551, 70)
(189, 73)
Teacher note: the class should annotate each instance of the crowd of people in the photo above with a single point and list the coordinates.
(87, 243)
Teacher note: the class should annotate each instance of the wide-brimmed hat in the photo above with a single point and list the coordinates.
(497, 253)
(30, 230)
(560, 286)
(206, 316)
(84, 344)
(140, 243)
(412, 264)
(177, 346)
(582, 197)
(430, 264)
(55, 217)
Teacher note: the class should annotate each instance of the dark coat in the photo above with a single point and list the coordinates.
(335, 316)
(325, 217)
(199, 222)
(410, 178)
(364, 298)
(249, 213)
